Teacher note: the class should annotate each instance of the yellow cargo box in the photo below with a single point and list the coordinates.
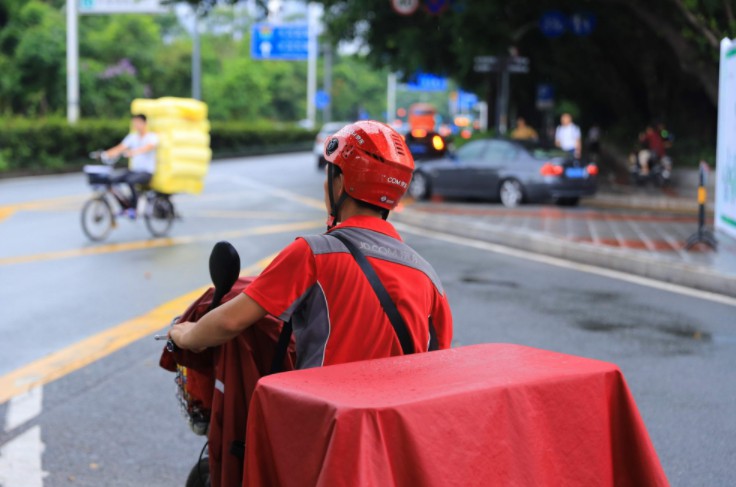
(178, 108)
(183, 154)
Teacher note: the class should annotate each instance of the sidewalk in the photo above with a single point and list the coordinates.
(644, 243)
(683, 200)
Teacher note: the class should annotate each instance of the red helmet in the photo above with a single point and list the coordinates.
(375, 162)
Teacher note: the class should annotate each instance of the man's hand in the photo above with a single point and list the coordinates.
(180, 333)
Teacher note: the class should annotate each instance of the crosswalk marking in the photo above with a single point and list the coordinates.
(20, 460)
(24, 408)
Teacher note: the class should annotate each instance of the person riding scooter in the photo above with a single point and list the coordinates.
(317, 285)
(651, 162)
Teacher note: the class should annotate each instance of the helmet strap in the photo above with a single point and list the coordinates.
(334, 218)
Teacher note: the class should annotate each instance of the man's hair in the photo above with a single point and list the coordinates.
(139, 116)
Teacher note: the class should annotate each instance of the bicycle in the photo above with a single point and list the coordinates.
(99, 213)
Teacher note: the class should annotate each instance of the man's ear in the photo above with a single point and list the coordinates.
(338, 186)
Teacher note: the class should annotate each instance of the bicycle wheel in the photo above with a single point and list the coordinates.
(97, 219)
(159, 215)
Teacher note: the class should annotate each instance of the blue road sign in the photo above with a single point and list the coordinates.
(436, 7)
(286, 42)
(582, 24)
(553, 23)
(466, 101)
(545, 96)
(427, 82)
(321, 99)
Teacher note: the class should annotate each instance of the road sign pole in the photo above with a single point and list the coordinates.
(483, 115)
(311, 63)
(72, 62)
(391, 98)
(503, 107)
(196, 59)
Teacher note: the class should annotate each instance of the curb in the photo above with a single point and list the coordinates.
(650, 266)
(639, 203)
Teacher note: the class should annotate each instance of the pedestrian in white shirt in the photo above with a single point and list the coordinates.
(140, 146)
(567, 136)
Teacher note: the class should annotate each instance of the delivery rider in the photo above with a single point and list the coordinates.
(315, 282)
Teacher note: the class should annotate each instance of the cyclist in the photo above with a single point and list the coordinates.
(140, 146)
(317, 284)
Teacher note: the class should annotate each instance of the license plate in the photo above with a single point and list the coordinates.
(575, 172)
(418, 149)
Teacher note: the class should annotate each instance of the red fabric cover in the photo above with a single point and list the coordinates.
(238, 364)
(481, 415)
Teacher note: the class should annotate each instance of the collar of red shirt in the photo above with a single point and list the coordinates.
(370, 223)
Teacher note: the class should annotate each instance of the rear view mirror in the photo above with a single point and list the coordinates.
(224, 270)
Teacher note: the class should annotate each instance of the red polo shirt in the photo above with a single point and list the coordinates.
(335, 313)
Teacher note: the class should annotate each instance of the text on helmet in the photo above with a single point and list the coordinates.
(397, 182)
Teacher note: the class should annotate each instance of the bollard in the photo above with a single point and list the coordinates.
(703, 235)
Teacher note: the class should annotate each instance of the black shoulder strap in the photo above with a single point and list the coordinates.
(277, 365)
(402, 332)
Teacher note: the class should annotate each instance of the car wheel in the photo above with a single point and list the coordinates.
(571, 201)
(511, 193)
(419, 188)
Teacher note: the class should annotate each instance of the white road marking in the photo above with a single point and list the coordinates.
(20, 460)
(24, 408)
(522, 254)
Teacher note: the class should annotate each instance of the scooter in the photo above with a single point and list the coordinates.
(214, 386)
(660, 170)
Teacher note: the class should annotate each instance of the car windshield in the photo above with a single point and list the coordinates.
(540, 151)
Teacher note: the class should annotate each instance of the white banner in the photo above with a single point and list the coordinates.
(121, 7)
(725, 214)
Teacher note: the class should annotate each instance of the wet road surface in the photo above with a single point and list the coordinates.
(112, 419)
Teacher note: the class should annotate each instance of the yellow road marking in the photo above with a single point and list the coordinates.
(96, 347)
(43, 203)
(246, 214)
(160, 242)
(6, 213)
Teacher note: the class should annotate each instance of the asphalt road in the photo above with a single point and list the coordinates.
(115, 421)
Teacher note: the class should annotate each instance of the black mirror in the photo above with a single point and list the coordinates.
(224, 270)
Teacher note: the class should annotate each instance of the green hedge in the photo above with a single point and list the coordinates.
(48, 145)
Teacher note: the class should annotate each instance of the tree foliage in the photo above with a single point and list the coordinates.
(644, 60)
(127, 56)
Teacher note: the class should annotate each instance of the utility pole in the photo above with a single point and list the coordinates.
(391, 98)
(72, 61)
(327, 83)
(311, 63)
(196, 58)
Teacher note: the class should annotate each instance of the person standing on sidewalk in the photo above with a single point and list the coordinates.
(567, 136)
(524, 131)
